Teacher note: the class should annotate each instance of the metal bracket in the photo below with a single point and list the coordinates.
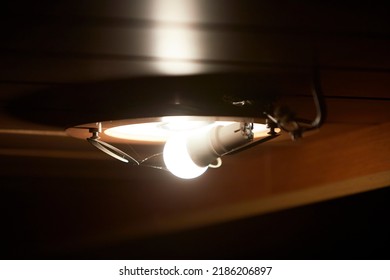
(117, 153)
(107, 148)
(285, 119)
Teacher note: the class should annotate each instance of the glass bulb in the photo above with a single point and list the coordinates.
(177, 159)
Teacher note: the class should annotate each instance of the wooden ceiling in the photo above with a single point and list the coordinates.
(65, 195)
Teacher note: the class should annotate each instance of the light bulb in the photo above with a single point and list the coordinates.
(189, 155)
(178, 160)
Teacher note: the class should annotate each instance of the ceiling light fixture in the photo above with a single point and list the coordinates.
(192, 144)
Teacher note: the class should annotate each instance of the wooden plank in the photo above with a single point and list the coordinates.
(264, 180)
(369, 84)
(342, 110)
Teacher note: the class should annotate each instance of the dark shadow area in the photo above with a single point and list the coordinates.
(353, 227)
(203, 95)
(35, 219)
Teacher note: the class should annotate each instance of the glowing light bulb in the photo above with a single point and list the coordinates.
(188, 155)
(178, 160)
